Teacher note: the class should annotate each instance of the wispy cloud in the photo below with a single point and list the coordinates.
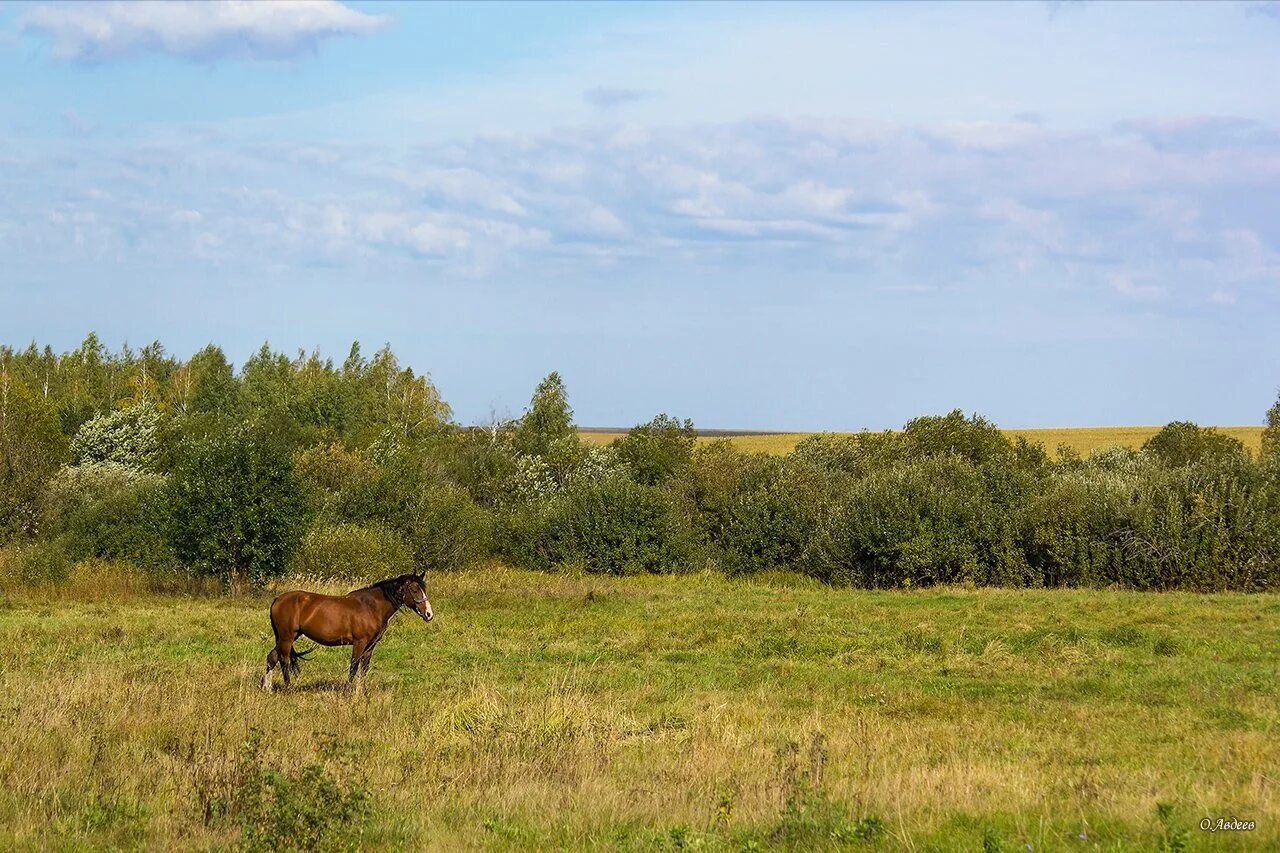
(895, 206)
(605, 97)
(1270, 8)
(199, 31)
(1128, 287)
(1198, 132)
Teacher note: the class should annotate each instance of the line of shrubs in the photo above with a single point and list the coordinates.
(946, 500)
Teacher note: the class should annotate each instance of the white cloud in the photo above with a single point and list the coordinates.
(1197, 132)
(466, 187)
(987, 135)
(885, 206)
(1126, 285)
(203, 31)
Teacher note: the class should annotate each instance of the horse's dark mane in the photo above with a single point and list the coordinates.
(390, 582)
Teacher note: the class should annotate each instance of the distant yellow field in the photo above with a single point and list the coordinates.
(1083, 439)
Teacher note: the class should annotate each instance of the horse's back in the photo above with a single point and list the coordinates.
(288, 601)
(299, 601)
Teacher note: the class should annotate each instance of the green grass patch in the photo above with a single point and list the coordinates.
(554, 711)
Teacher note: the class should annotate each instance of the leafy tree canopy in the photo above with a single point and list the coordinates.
(1271, 435)
(32, 447)
(658, 449)
(1183, 443)
(548, 420)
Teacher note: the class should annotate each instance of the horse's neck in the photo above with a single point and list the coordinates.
(381, 602)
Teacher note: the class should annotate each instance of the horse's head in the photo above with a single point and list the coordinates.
(413, 594)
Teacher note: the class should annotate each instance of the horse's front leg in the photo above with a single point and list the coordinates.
(366, 658)
(358, 649)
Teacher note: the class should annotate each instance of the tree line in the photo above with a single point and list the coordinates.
(192, 468)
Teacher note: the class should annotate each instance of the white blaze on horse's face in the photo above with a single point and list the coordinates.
(420, 604)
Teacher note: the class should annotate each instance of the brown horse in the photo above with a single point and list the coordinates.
(357, 619)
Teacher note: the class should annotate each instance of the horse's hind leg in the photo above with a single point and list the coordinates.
(284, 627)
(284, 653)
(272, 659)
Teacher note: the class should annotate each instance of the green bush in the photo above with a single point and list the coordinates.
(109, 511)
(1270, 450)
(1211, 525)
(850, 454)
(31, 449)
(974, 438)
(351, 550)
(1069, 530)
(716, 475)
(327, 468)
(1133, 520)
(406, 491)
(445, 528)
(936, 520)
(771, 521)
(1183, 443)
(610, 526)
(235, 507)
(483, 463)
(658, 450)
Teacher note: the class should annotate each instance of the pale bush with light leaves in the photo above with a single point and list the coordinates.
(532, 482)
(128, 437)
(537, 478)
(599, 464)
(1119, 460)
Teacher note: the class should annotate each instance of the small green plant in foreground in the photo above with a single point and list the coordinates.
(276, 808)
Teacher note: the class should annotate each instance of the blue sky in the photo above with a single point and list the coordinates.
(760, 216)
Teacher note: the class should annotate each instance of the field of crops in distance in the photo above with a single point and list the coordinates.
(1083, 439)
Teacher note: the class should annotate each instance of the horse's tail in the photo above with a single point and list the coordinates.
(295, 656)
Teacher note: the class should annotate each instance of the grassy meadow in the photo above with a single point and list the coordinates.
(1084, 440)
(655, 712)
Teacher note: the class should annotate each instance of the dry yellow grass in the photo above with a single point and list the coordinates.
(1083, 439)
(550, 711)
